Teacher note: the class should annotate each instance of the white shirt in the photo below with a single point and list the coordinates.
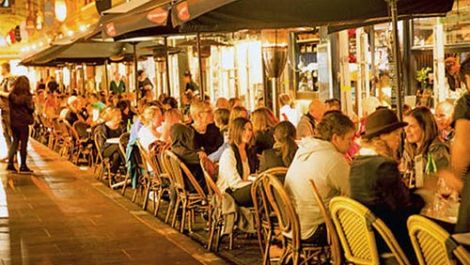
(292, 114)
(146, 137)
(228, 174)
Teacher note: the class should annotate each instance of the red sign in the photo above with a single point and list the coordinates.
(110, 29)
(158, 16)
(183, 11)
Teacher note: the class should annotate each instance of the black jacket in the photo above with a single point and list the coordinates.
(21, 110)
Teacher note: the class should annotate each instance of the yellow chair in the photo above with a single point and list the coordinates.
(355, 225)
(433, 245)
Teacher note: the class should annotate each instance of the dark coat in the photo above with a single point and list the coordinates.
(375, 182)
(210, 141)
(271, 158)
(22, 109)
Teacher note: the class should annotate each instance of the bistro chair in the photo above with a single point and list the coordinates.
(335, 247)
(355, 225)
(164, 162)
(433, 245)
(103, 167)
(85, 146)
(190, 201)
(266, 222)
(146, 178)
(294, 250)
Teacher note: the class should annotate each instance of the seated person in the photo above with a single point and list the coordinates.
(263, 127)
(170, 117)
(237, 163)
(376, 182)
(182, 145)
(283, 151)
(221, 117)
(111, 128)
(151, 119)
(207, 136)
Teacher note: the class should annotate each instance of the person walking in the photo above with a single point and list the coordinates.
(21, 105)
(5, 86)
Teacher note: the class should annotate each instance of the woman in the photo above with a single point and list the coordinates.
(423, 149)
(111, 128)
(148, 134)
(283, 151)
(376, 182)
(263, 125)
(21, 106)
(182, 144)
(238, 162)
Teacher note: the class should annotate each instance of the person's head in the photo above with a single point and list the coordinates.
(452, 66)
(187, 76)
(73, 103)
(383, 132)
(152, 117)
(116, 76)
(263, 119)
(333, 104)
(465, 72)
(238, 111)
(173, 116)
(316, 109)
(338, 129)
(148, 93)
(5, 69)
(222, 103)
(200, 112)
(241, 131)
(285, 99)
(93, 98)
(112, 116)
(221, 118)
(234, 102)
(21, 86)
(123, 106)
(284, 135)
(170, 102)
(443, 115)
(141, 74)
(421, 130)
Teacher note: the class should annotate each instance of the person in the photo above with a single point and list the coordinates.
(117, 85)
(307, 123)
(148, 134)
(221, 120)
(423, 144)
(170, 117)
(182, 145)
(237, 163)
(263, 128)
(73, 114)
(189, 83)
(206, 135)
(236, 112)
(5, 88)
(333, 104)
(222, 103)
(111, 128)
(52, 105)
(284, 148)
(320, 159)
(443, 115)
(287, 111)
(452, 69)
(20, 102)
(375, 180)
(126, 113)
(170, 103)
(143, 83)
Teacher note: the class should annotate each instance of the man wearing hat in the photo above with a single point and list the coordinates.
(375, 179)
(189, 83)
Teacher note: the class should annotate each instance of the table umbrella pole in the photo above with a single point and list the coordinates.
(136, 77)
(167, 67)
(392, 4)
(199, 57)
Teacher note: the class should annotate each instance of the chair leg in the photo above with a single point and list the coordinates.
(146, 195)
(170, 208)
(124, 187)
(266, 258)
(183, 216)
(158, 199)
(175, 211)
(211, 235)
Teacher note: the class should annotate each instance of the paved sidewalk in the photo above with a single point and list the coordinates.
(61, 215)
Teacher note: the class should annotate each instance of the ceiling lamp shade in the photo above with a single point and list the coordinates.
(60, 10)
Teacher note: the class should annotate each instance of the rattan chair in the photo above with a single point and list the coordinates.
(294, 250)
(266, 221)
(335, 248)
(103, 167)
(433, 245)
(189, 201)
(85, 147)
(355, 225)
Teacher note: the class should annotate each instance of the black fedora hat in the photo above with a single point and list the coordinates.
(382, 121)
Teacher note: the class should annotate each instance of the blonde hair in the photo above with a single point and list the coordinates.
(380, 146)
(197, 106)
(237, 112)
(109, 113)
(263, 119)
(285, 99)
(173, 113)
(149, 114)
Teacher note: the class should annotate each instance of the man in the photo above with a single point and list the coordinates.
(144, 83)
(322, 160)
(443, 115)
(206, 135)
(307, 123)
(117, 85)
(189, 83)
(333, 104)
(5, 87)
(74, 109)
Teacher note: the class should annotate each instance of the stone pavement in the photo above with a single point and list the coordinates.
(61, 215)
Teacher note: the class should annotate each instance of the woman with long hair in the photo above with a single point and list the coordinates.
(283, 151)
(21, 106)
(111, 128)
(263, 126)
(422, 140)
(238, 162)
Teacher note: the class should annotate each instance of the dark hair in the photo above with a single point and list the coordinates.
(465, 68)
(171, 101)
(221, 116)
(140, 72)
(122, 105)
(284, 134)
(236, 130)
(21, 86)
(333, 122)
(428, 124)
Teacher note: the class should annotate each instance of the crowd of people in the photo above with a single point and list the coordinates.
(360, 159)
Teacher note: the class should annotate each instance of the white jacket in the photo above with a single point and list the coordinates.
(228, 174)
(318, 160)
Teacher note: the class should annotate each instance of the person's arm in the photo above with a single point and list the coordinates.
(228, 170)
(460, 148)
(338, 177)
